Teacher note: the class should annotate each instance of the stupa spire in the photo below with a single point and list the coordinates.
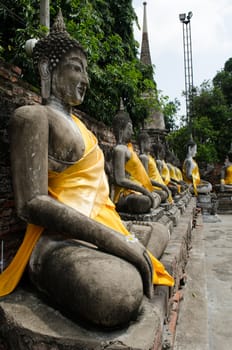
(145, 56)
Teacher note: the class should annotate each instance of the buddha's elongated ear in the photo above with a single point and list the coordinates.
(45, 75)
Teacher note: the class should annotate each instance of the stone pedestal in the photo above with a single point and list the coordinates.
(27, 323)
(224, 202)
(153, 215)
(208, 203)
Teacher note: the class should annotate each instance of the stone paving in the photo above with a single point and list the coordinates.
(205, 318)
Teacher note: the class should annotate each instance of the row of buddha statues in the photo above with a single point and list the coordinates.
(76, 250)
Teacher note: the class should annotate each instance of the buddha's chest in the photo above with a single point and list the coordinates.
(65, 142)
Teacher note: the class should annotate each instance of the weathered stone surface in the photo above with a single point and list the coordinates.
(153, 215)
(27, 323)
(224, 202)
(176, 253)
(153, 235)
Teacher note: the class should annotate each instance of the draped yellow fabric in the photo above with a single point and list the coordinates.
(196, 179)
(228, 175)
(153, 171)
(82, 186)
(172, 171)
(154, 174)
(165, 173)
(138, 174)
(179, 175)
(10, 277)
(173, 176)
(137, 171)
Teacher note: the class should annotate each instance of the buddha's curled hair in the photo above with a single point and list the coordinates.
(55, 44)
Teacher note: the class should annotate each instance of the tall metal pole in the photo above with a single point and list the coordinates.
(45, 13)
(188, 65)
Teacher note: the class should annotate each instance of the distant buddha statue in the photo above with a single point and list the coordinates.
(164, 170)
(150, 166)
(134, 192)
(175, 173)
(78, 252)
(191, 174)
(226, 174)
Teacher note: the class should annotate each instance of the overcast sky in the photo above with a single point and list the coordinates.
(211, 28)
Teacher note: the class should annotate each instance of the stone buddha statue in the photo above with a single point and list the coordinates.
(150, 166)
(77, 250)
(191, 174)
(175, 172)
(226, 174)
(159, 151)
(134, 192)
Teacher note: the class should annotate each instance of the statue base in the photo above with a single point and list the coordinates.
(26, 323)
(208, 203)
(224, 202)
(153, 215)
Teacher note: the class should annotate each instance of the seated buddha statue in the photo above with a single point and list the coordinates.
(150, 166)
(133, 192)
(159, 151)
(175, 172)
(74, 232)
(226, 174)
(191, 174)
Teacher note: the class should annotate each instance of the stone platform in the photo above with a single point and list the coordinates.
(224, 202)
(27, 323)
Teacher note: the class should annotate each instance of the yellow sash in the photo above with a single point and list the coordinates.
(138, 174)
(228, 177)
(153, 171)
(196, 179)
(165, 173)
(82, 186)
(179, 175)
(154, 174)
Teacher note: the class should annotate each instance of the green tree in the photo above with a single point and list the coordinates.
(105, 30)
(223, 81)
(211, 122)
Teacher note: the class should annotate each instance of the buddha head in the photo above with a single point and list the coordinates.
(191, 148)
(144, 142)
(61, 63)
(122, 127)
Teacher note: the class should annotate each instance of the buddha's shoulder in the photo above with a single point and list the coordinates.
(120, 148)
(31, 112)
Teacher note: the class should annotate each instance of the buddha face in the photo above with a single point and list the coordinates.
(193, 150)
(127, 132)
(70, 78)
(147, 145)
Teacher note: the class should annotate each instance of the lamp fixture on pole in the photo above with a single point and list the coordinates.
(188, 64)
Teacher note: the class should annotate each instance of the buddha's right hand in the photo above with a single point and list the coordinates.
(134, 252)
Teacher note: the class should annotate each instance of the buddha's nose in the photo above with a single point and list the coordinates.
(85, 79)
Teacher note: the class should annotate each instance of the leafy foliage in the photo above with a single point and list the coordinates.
(105, 30)
(211, 122)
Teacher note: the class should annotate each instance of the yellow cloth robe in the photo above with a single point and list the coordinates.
(228, 175)
(84, 187)
(165, 173)
(172, 172)
(179, 175)
(153, 171)
(196, 179)
(134, 167)
(154, 174)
